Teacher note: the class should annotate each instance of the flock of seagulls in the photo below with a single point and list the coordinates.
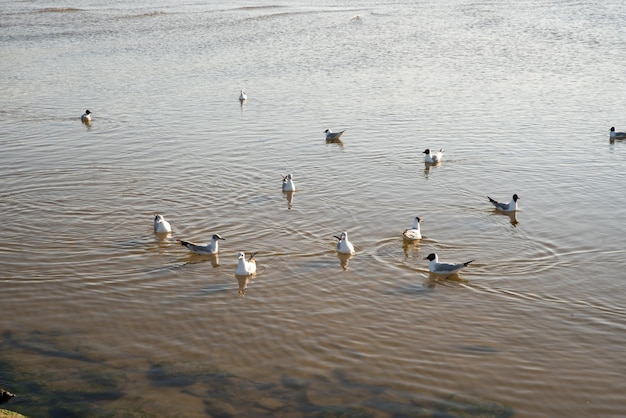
(246, 268)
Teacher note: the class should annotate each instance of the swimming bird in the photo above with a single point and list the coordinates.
(444, 268)
(288, 184)
(415, 232)
(505, 207)
(433, 157)
(86, 117)
(203, 249)
(344, 246)
(245, 268)
(161, 226)
(243, 96)
(614, 134)
(333, 136)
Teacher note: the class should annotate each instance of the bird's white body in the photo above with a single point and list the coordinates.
(433, 157)
(615, 134)
(444, 268)
(161, 226)
(505, 207)
(344, 246)
(288, 184)
(333, 136)
(204, 249)
(414, 233)
(243, 96)
(86, 117)
(245, 268)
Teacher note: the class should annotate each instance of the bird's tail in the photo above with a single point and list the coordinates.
(495, 202)
(468, 263)
(252, 256)
(184, 243)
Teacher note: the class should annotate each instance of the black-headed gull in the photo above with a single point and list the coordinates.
(204, 249)
(415, 232)
(614, 134)
(444, 268)
(288, 184)
(344, 246)
(433, 157)
(245, 268)
(86, 117)
(243, 96)
(505, 207)
(161, 226)
(333, 136)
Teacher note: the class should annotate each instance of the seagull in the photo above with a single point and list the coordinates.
(333, 136)
(243, 96)
(86, 117)
(344, 246)
(413, 233)
(203, 249)
(288, 184)
(245, 268)
(614, 134)
(433, 157)
(444, 268)
(505, 207)
(161, 226)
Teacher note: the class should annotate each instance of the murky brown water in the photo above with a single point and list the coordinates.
(100, 317)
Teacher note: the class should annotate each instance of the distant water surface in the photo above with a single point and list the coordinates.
(100, 317)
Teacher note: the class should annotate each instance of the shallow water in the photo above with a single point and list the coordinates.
(100, 316)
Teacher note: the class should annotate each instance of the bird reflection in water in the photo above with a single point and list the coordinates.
(410, 247)
(435, 279)
(511, 215)
(339, 142)
(193, 258)
(344, 260)
(243, 282)
(427, 167)
(289, 197)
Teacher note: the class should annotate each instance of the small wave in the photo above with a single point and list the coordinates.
(59, 10)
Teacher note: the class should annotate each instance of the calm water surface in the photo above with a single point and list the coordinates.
(100, 317)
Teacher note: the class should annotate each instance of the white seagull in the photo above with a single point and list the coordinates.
(243, 96)
(203, 249)
(333, 136)
(415, 232)
(245, 268)
(344, 246)
(614, 134)
(505, 207)
(161, 226)
(444, 268)
(288, 184)
(86, 117)
(431, 157)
